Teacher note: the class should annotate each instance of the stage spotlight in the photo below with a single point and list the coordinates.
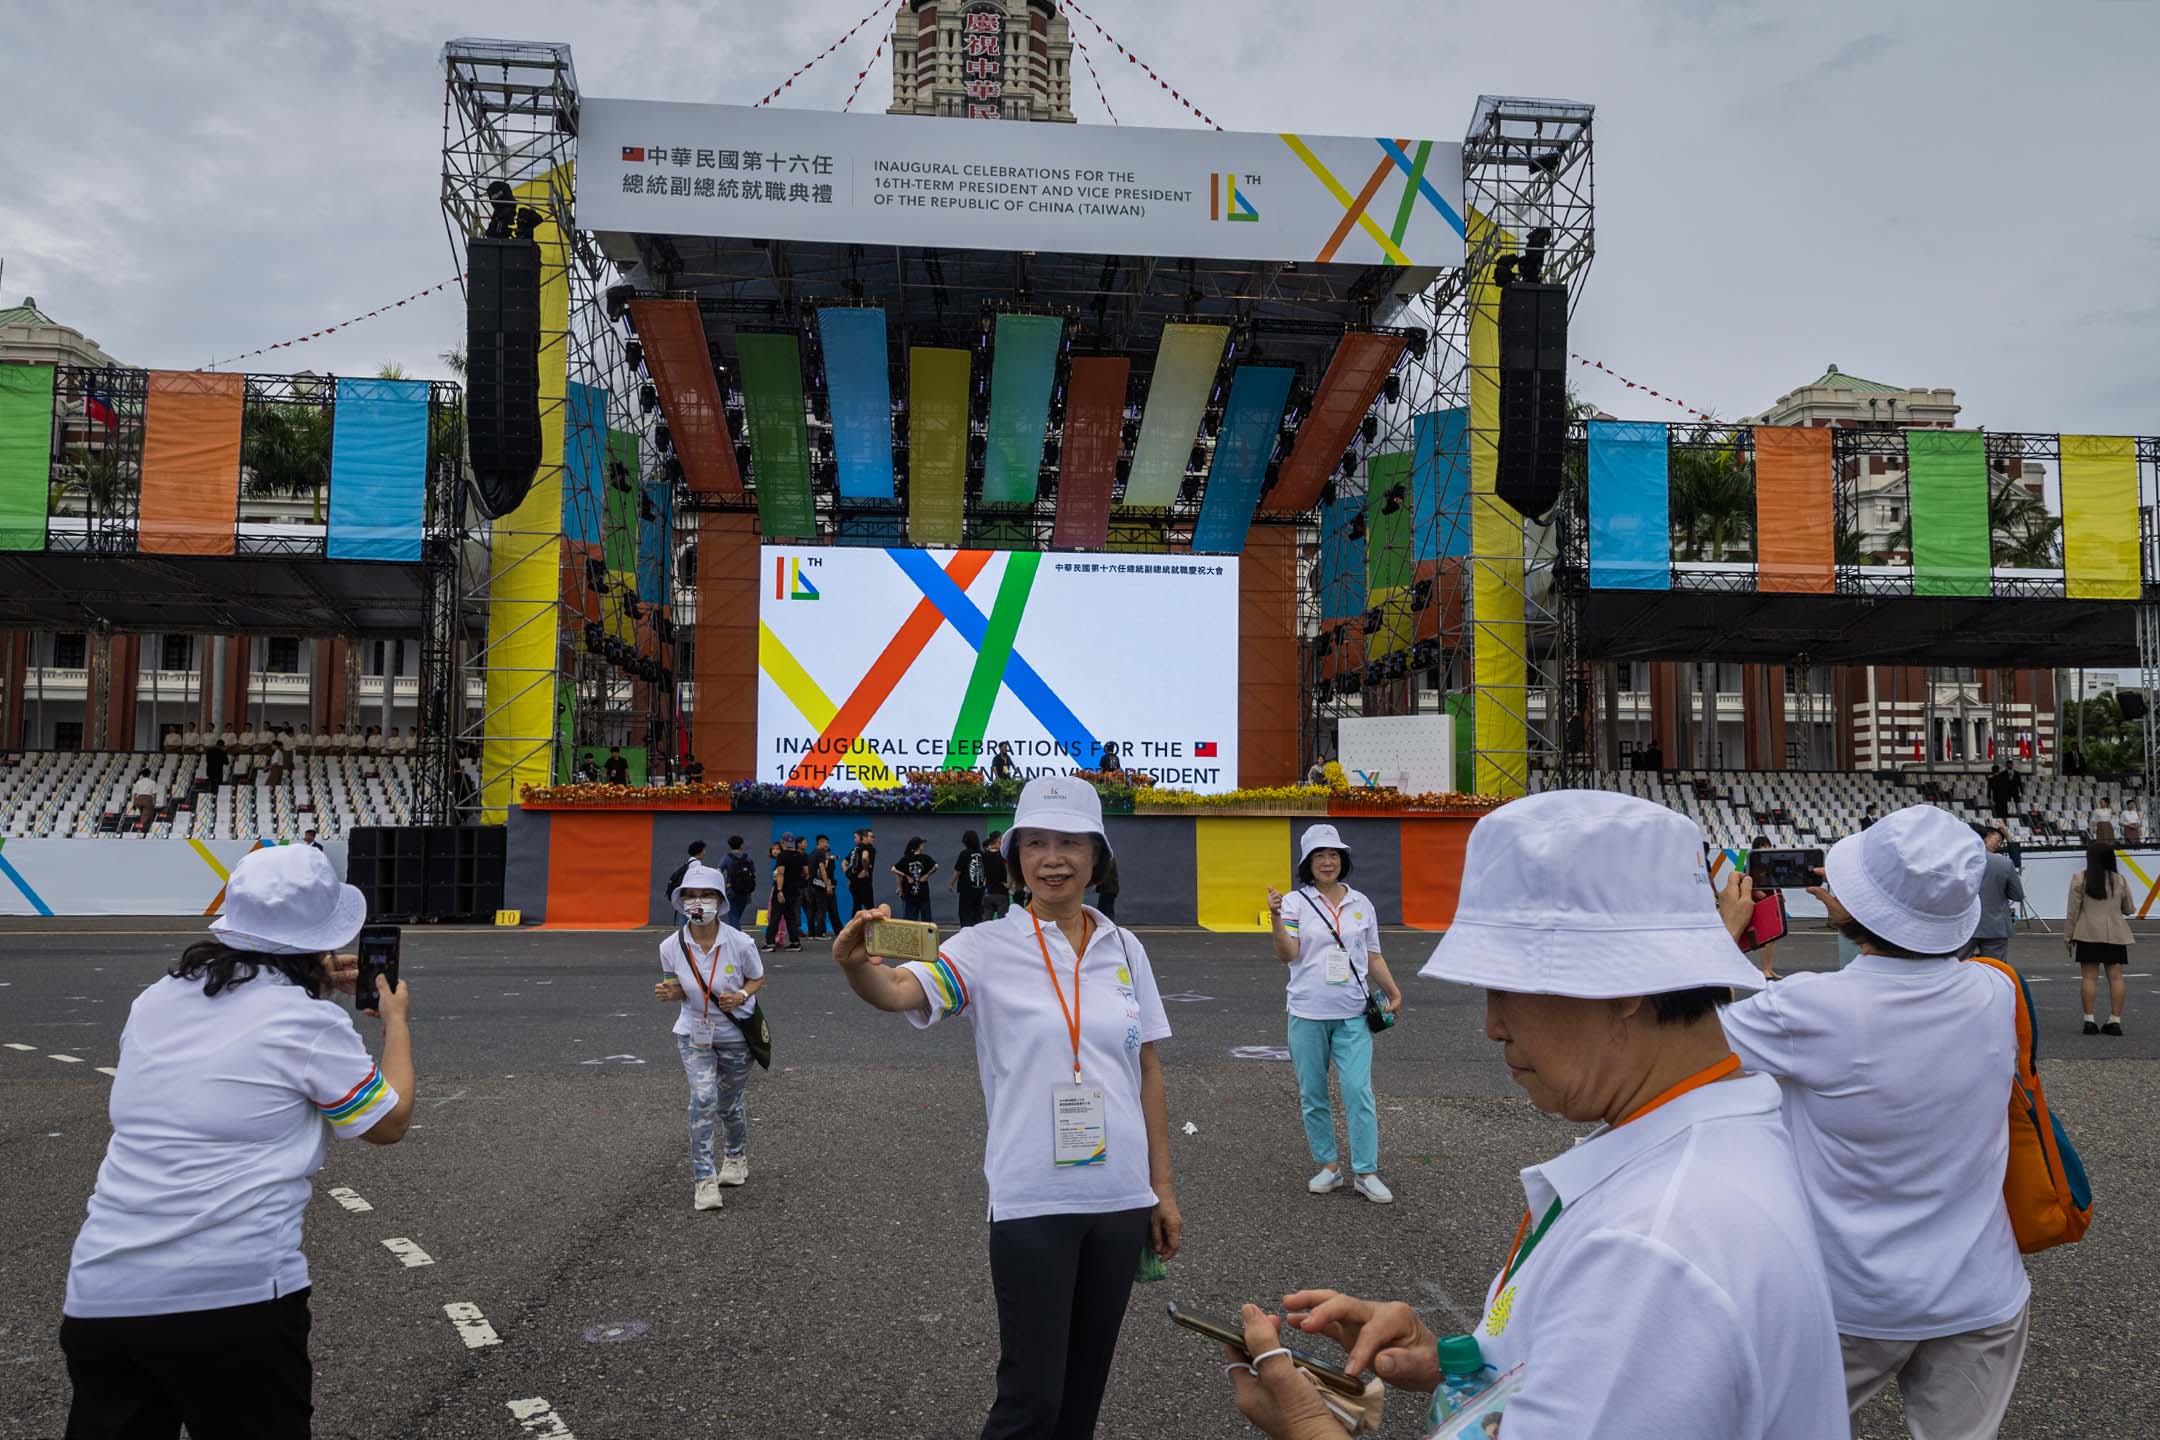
(595, 575)
(1372, 621)
(1392, 502)
(634, 355)
(1124, 471)
(712, 351)
(1322, 646)
(1357, 527)
(1199, 459)
(1189, 491)
(1327, 494)
(1391, 388)
(1372, 428)
(595, 637)
(1132, 433)
(1349, 463)
(742, 458)
(674, 470)
(1503, 271)
(648, 399)
(645, 510)
(1211, 422)
(1530, 266)
(819, 410)
(734, 419)
(618, 302)
(663, 439)
(1419, 340)
(1269, 476)
(1421, 595)
(632, 610)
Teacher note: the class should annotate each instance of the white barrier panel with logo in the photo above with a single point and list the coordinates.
(876, 662)
(117, 876)
(670, 168)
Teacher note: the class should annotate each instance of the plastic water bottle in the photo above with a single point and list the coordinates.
(1463, 1375)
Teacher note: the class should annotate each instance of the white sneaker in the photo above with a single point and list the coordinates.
(734, 1169)
(1370, 1187)
(707, 1194)
(1325, 1181)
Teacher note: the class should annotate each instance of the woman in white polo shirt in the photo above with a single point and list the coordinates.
(1078, 1157)
(713, 971)
(187, 1294)
(1663, 1283)
(1896, 1071)
(1329, 936)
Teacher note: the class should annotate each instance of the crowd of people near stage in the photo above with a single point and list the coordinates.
(1790, 1196)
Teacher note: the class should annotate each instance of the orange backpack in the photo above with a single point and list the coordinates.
(2044, 1187)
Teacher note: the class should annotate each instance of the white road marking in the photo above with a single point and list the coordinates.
(108, 1070)
(347, 1197)
(537, 1417)
(65, 1059)
(472, 1326)
(14, 1046)
(1191, 1129)
(408, 1252)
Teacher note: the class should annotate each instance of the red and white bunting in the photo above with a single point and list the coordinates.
(864, 73)
(800, 70)
(1632, 385)
(1100, 93)
(383, 309)
(1133, 59)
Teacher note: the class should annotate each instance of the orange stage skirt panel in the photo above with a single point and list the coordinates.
(1432, 863)
(191, 463)
(599, 871)
(1795, 511)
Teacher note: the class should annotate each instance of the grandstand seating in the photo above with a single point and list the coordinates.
(66, 794)
(1799, 809)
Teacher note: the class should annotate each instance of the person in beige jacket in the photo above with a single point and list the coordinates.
(2097, 931)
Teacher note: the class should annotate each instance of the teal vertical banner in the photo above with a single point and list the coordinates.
(1023, 368)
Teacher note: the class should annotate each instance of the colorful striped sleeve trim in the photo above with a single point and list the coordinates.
(359, 1102)
(952, 991)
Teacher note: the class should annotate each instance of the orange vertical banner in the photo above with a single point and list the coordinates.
(1795, 511)
(599, 871)
(191, 463)
(723, 729)
(1432, 863)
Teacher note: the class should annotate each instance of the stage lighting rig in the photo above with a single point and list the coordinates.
(618, 300)
(634, 353)
(1392, 501)
(648, 399)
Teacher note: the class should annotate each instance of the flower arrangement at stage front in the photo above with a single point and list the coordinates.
(600, 793)
(1388, 802)
(1279, 797)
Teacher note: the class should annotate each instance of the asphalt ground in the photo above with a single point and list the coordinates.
(845, 1290)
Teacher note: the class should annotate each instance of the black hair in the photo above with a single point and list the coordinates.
(1685, 1007)
(969, 840)
(1860, 935)
(2099, 865)
(915, 843)
(827, 839)
(228, 969)
(734, 842)
(1304, 866)
(697, 847)
(1760, 842)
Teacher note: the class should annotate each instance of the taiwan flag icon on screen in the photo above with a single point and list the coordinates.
(635, 154)
(1204, 749)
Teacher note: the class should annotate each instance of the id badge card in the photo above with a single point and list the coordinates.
(1080, 1131)
(702, 1031)
(1337, 963)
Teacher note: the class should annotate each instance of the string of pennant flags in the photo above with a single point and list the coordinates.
(1600, 365)
(804, 68)
(383, 309)
(1131, 58)
(864, 73)
(1096, 75)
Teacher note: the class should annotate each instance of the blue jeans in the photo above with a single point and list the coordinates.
(719, 1090)
(1313, 1044)
(736, 905)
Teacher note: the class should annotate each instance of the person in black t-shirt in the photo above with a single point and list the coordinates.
(819, 919)
(697, 857)
(860, 868)
(1001, 763)
(997, 898)
(618, 769)
(970, 877)
(794, 886)
(914, 872)
(741, 876)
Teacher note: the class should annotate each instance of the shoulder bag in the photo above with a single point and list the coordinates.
(756, 1031)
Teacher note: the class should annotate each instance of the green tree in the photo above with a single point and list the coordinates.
(286, 454)
(390, 370)
(100, 475)
(2112, 745)
(1713, 496)
(2023, 534)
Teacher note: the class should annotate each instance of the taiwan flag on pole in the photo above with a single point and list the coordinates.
(1204, 749)
(98, 405)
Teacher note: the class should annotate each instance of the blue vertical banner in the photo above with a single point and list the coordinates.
(378, 470)
(1440, 483)
(1342, 561)
(1252, 418)
(858, 387)
(656, 543)
(585, 438)
(1630, 506)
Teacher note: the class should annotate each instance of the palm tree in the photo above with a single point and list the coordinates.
(101, 474)
(2022, 534)
(1712, 498)
(286, 453)
(390, 370)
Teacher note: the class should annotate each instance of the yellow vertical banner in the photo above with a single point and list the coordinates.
(525, 554)
(1499, 671)
(1236, 859)
(937, 445)
(2100, 518)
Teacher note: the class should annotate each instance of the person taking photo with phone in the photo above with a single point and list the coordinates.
(1066, 1018)
(713, 972)
(1677, 1228)
(1329, 936)
(187, 1293)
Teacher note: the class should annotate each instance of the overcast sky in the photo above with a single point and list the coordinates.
(1959, 194)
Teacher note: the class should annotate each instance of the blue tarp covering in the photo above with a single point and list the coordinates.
(584, 464)
(858, 387)
(1342, 561)
(656, 544)
(1252, 418)
(378, 470)
(1440, 481)
(1630, 506)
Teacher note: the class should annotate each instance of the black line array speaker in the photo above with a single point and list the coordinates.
(1533, 396)
(502, 369)
(432, 872)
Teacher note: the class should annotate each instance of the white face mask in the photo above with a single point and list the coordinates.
(702, 912)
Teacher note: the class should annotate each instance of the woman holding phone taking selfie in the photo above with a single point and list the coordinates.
(187, 1294)
(1066, 1018)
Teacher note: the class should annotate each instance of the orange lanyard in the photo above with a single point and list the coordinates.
(705, 982)
(1334, 911)
(1519, 1253)
(1072, 1014)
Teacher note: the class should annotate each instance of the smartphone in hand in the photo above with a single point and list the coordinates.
(378, 959)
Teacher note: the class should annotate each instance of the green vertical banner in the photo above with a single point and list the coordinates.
(1947, 471)
(26, 428)
(1390, 551)
(1023, 370)
(779, 441)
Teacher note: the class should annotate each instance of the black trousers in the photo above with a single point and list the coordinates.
(1062, 1282)
(971, 906)
(240, 1373)
(861, 895)
(818, 912)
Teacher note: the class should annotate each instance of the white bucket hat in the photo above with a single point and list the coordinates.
(1590, 894)
(1062, 803)
(1319, 837)
(287, 900)
(698, 877)
(1912, 878)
